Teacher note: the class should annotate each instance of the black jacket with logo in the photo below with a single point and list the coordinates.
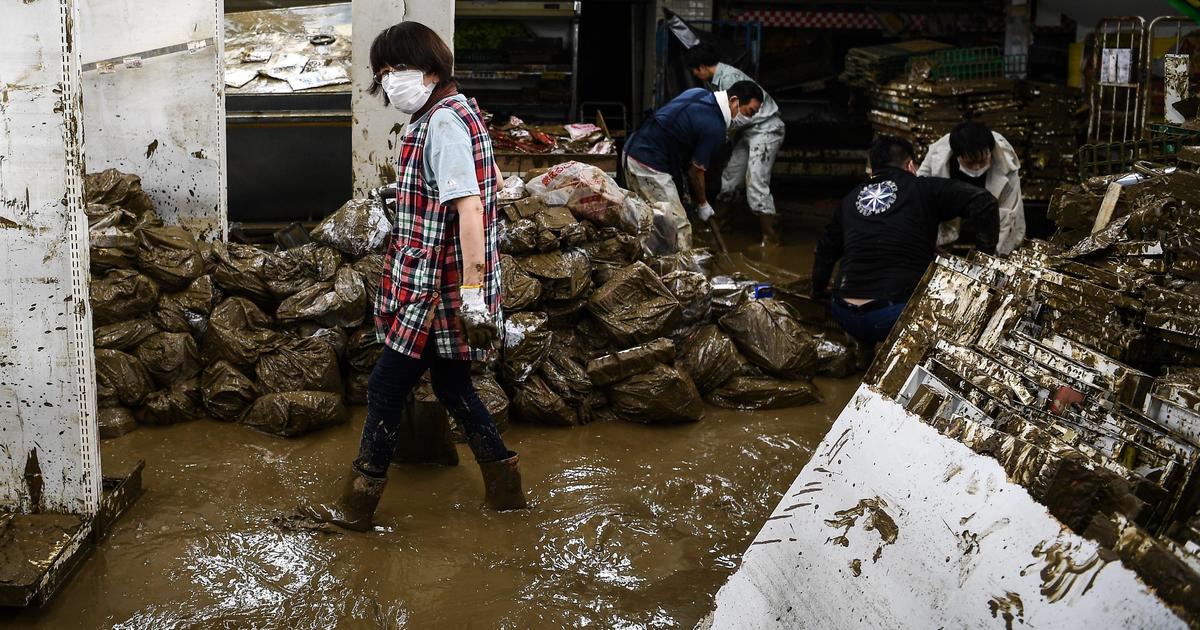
(885, 233)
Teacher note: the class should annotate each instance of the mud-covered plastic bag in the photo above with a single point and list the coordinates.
(238, 332)
(170, 256)
(225, 391)
(520, 237)
(370, 267)
(124, 335)
(534, 401)
(340, 303)
(180, 403)
(514, 189)
(836, 358)
(634, 306)
(363, 349)
(299, 365)
(661, 395)
(519, 289)
(320, 261)
(188, 310)
(122, 378)
(564, 373)
(588, 191)
(289, 414)
(169, 357)
(763, 392)
(693, 292)
(710, 357)
(526, 341)
(771, 338)
(112, 248)
(113, 422)
(121, 294)
(333, 336)
(286, 275)
(610, 368)
(493, 397)
(358, 228)
(239, 270)
(356, 387)
(577, 235)
(564, 275)
(614, 248)
(114, 188)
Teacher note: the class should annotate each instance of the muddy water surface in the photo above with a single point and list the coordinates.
(632, 526)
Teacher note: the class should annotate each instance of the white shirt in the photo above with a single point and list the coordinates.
(723, 103)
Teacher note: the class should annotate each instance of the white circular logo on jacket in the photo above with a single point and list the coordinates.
(876, 198)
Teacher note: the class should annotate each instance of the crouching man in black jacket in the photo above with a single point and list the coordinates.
(884, 234)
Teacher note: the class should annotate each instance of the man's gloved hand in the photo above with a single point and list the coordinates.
(478, 324)
(705, 211)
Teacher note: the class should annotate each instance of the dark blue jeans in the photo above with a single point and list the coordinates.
(869, 323)
(393, 379)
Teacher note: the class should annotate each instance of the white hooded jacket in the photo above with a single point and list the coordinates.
(1003, 181)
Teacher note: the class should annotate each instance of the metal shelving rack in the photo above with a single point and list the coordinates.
(482, 71)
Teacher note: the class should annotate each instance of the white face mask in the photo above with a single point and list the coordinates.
(741, 119)
(406, 89)
(973, 173)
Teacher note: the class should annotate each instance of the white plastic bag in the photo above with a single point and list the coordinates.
(587, 191)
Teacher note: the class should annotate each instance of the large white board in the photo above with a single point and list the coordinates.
(155, 103)
(48, 455)
(891, 525)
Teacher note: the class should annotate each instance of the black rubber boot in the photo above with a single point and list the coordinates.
(770, 234)
(353, 507)
(502, 484)
(424, 435)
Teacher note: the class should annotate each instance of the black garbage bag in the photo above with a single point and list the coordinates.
(290, 414)
(123, 379)
(693, 292)
(764, 392)
(565, 374)
(493, 397)
(519, 238)
(187, 310)
(113, 422)
(180, 403)
(170, 358)
(613, 247)
(356, 229)
(299, 365)
(662, 395)
(124, 335)
(771, 338)
(618, 366)
(238, 332)
(102, 216)
(634, 306)
(121, 294)
(340, 303)
(225, 391)
(114, 188)
(520, 290)
(526, 341)
(337, 338)
(239, 270)
(591, 339)
(356, 387)
(111, 248)
(363, 349)
(835, 357)
(320, 261)
(285, 275)
(536, 402)
(170, 256)
(710, 357)
(577, 235)
(564, 275)
(370, 267)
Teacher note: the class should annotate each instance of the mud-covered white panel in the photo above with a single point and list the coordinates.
(48, 455)
(154, 98)
(892, 525)
(378, 127)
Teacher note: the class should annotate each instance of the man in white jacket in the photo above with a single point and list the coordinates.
(974, 154)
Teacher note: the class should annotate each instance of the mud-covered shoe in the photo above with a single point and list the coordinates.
(502, 484)
(354, 506)
(770, 234)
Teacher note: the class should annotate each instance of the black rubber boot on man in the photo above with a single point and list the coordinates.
(770, 234)
(354, 506)
(502, 484)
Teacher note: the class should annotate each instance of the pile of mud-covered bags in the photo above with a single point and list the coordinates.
(601, 320)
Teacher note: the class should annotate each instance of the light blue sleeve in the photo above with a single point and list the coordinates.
(449, 157)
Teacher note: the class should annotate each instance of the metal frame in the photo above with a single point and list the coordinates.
(1148, 61)
(1108, 35)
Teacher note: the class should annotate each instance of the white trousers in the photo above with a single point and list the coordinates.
(751, 163)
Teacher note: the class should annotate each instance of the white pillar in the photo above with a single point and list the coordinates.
(49, 460)
(152, 81)
(377, 128)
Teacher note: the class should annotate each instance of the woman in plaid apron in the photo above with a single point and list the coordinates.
(438, 303)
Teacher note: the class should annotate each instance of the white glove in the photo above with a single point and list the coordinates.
(478, 325)
(705, 211)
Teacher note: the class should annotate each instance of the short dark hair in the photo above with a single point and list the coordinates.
(746, 91)
(702, 54)
(971, 139)
(414, 45)
(890, 151)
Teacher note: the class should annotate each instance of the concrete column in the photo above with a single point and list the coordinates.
(377, 127)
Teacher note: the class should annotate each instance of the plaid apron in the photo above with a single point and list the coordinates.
(418, 294)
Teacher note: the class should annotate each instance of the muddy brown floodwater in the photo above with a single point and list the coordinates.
(631, 526)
